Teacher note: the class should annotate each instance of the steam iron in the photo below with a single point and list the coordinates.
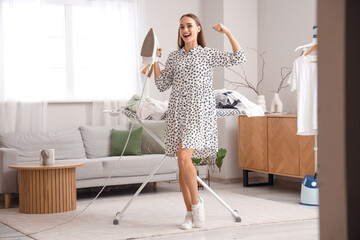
(148, 53)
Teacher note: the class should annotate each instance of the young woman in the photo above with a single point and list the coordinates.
(191, 124)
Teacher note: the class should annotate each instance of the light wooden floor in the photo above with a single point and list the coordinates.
(308, 229)
(304, 230)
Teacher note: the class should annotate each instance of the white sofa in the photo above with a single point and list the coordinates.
(91, 145)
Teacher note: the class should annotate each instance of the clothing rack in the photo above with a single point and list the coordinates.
(313, 46)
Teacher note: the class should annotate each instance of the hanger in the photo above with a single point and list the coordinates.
(311, 50)
(312, 44)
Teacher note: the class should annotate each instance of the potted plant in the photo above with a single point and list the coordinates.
(215, 162)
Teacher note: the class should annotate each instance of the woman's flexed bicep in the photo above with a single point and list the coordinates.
(166, 78)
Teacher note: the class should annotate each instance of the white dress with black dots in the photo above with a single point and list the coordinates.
(191, 116)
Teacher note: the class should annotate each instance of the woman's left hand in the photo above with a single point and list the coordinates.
(221, 28)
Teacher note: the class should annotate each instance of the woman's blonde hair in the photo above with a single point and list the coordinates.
(200, 37)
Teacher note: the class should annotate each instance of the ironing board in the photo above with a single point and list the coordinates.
(220, 113)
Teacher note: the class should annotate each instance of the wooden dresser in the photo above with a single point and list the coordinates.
(270, 145)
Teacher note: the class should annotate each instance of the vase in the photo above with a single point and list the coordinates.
(276, 104)
(261, 102)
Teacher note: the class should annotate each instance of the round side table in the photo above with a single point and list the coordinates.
(47, 188)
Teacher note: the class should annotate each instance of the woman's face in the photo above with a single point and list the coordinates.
(188, 29)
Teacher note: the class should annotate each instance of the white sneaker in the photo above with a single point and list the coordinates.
(188, 222)
(198, 213)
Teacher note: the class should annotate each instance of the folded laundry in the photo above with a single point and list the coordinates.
(237, 100)
(152, 109)
(131, 104)
(222, 101)
(149, 108)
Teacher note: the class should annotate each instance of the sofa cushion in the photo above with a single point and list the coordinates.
(93, 168)
(97, 140)
(149, 145)
(119, 138)
(67, 144)
(138, 165)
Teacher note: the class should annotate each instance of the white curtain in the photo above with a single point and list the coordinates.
(104, 119)
(23, 117)
(110, 29)
(69, 50)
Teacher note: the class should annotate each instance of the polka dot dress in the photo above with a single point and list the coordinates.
(191, 116)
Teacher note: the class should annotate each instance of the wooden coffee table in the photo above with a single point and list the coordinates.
(47, 189)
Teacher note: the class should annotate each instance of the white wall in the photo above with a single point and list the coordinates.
(283, 25)
(275, 27)
(163, 16)
(242, 19)
(212, 11)
(240, 16)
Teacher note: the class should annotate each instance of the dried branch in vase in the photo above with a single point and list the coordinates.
(245, 83)
(283, 84)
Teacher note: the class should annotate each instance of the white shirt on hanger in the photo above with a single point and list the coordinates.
(304, 79)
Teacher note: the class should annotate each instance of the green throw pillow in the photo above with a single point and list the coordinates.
(118, 140)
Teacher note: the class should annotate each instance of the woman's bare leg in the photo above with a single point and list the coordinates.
(187, 176)
(185, 191)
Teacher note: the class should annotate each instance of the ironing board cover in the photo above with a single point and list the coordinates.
(220, 113)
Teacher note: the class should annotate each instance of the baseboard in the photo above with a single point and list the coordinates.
(288, 182)
(226, 180)
(281, 181)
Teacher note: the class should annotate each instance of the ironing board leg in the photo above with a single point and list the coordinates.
(235, 213)
(119, 215)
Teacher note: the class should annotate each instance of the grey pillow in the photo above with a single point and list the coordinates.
(97, 140)
(67, 144)
(149, 145)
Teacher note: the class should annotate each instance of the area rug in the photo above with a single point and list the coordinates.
(153, 214)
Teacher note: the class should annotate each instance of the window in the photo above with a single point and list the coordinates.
(68, 50)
